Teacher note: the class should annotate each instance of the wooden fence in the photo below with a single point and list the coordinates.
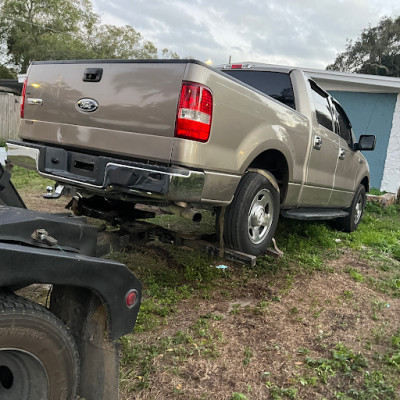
(9, 116)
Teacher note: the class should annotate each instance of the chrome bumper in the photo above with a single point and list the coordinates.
(98, 173)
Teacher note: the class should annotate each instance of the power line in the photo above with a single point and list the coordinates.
(41, 26)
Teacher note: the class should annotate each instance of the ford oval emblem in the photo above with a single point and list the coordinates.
(87, 105)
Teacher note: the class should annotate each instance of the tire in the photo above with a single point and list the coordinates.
(356, 210)
(251, 219)
(38, 356)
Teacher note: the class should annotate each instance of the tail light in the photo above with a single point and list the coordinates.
(194, 112)
(23, 98)
(238, 66)
(131, 298)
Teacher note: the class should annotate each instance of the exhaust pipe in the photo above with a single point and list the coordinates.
(186, 212)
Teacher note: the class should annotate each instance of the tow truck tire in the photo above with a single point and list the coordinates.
(251, 219)
(38, 356)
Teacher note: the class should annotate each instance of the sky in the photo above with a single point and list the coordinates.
(302, 33)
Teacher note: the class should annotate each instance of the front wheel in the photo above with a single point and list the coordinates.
(38, 356)
(252, 217)
(356, 210)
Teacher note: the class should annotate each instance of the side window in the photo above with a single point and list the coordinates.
(344, 125)
(322, 108)
(275, 84)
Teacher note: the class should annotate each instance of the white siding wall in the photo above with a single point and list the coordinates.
(391, 173)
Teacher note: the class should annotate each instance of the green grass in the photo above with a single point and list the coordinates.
(392, 356)
(376, 192)
(278, 393)
(169, 275)
(355, 274)
(307, 245)
(361, 381)
(24, 178)
(247, 354)
(239, 396)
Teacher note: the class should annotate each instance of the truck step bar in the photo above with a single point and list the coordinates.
(314, 214)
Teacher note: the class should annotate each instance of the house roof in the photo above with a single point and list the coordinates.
(341, 81)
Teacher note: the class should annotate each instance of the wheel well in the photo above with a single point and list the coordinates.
(86, 316)
(274, 162)
(73, 306)
(365, 182)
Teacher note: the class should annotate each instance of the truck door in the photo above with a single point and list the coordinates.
(348, 161)
(323, 158)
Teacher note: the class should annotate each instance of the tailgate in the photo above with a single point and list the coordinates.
(129, 111)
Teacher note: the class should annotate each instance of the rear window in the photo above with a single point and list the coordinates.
(275, 84)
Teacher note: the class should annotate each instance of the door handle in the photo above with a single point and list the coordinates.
(317, 142)
(342, 154)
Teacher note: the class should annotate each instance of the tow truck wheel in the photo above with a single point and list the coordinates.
(38, 356)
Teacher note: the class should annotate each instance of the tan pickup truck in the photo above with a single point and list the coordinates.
(249, 139)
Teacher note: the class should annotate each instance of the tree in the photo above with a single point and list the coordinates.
(6, 73)
(376, 51)
(169, 54)
(44, 29)
(63, 29)
(111, 41)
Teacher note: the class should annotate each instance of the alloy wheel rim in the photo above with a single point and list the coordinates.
(260, 216)
(358, 209)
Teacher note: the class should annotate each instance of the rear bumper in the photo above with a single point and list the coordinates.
(100, 173)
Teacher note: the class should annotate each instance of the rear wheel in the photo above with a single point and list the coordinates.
(356, 210)
(38, 356)
(252, 217)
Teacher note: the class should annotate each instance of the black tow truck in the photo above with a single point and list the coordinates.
(66, 350)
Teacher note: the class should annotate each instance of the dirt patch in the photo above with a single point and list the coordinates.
(263, 338)
(34, 200)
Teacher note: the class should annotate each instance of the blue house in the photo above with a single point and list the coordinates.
(373, 106)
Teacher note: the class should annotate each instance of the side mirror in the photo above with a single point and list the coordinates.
(365, 143)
